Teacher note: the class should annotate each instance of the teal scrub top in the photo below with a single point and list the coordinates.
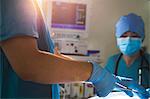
(131, 71)
(19, 18)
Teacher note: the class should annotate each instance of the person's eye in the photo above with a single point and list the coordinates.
(124, 36)
(135, 36)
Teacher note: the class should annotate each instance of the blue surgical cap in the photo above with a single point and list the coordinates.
(132, 23)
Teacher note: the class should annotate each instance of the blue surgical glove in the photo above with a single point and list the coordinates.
(105, 82)
(102, 80)
(131, 85)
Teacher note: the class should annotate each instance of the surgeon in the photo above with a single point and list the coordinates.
(28, 67)
(132, 61)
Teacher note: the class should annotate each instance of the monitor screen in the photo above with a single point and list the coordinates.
(68, 15)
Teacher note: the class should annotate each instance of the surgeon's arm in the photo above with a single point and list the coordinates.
(39, 66)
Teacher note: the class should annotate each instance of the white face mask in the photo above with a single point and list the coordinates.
(129, 46)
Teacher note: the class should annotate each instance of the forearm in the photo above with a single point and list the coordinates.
(53, 69)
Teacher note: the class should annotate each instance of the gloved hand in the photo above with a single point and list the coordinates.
(105, 82)
(102, 80)
(131, 84)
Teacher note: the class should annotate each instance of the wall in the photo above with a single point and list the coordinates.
(104, 14)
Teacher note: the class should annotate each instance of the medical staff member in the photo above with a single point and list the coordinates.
(131, 61)
(27, 63)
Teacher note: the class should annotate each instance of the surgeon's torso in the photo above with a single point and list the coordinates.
(11, 86)
(132, 71)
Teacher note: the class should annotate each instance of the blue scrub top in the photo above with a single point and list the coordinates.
(128, 71)
(19, 18)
